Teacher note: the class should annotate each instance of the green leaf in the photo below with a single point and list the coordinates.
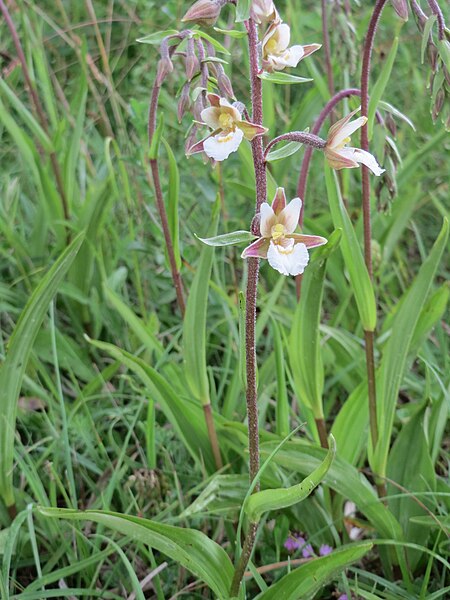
(283, 78)
(172, 203)
(287, 150)
(397, 347)
(242, 358)
(242, 10)
(194, 324)
(261, 502)
(444, 52)
(16, 360)
(282, 401)
(190, 548)
(228, 239)
(156, 38)
(306, 580)
(304, 342)
(234, 33)
(397, 113)
(353, 257)
(380, 85)
(211, 40)
(426, 35)
(156, 139)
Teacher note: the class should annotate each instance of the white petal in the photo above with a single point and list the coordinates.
(347, 130)
(221, 146)
(293, 56)
(292, 262)
(290, 215)
(367, 159)
(210, 116)
(283, 37)
(267, 221)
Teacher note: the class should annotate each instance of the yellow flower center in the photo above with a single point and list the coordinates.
(226, 121)
(271, 46)
(343, 143)
(277, 232)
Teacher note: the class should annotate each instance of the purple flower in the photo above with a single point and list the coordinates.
(291, 544)
(343, 597)
(325, 549)
(308, 551)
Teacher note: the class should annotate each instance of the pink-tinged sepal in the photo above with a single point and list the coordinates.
(309, 49)
(251, 130)
(337, 161)
(257, 249)
(214, 100)
(310, 241)
(279, 201)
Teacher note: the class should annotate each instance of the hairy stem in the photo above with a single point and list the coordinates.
(37, 106)
(311, 140)
(327, 48)
(251, 295)
(176, 277)
(369, 335)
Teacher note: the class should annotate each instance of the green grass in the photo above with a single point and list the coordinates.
(109, 387)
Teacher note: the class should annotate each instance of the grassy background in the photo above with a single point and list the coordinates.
(85, 437)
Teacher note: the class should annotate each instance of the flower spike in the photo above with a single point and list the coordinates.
(341, 156)
(286, 251)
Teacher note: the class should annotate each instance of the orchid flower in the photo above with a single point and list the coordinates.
(276, 55)
(286, 251)
(341, 156)
(228, 129)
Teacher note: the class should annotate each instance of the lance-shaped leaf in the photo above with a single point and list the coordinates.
(351, 250)
(188, 547)
(242, 10)
(228, 239)
(305, 581)
(380, 86)
(261, 502)
(283, 78)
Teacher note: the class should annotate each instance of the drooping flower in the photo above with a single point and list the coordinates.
(276, 54)
(204, 12)
(341, 156)
(263, 11)
(229, 129)
(286, 251)
(401, 8)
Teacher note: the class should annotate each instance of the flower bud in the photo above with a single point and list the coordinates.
(263, 11)
(223, 82)
(192, 62)
(199, 105)
(165, 66)
(184, 102)
(391, 125)
(204, 12)
(190, 140)
(401, 8)
(438, 104)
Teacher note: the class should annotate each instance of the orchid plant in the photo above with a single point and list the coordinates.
(272, 232)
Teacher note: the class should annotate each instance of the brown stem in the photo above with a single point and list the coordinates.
(37, 105)
(322, 431)
(327, 47)
(212, 434)
(251, 295)
(176, 277)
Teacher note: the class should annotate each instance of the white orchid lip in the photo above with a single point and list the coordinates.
(286, 251)
(229, 129)
(276, 54)
(341, 156)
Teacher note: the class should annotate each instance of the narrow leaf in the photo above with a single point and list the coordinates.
(380, 86)
(242, 10)
(287, 150)
(228, 239)
(156, 38)
(283, 78)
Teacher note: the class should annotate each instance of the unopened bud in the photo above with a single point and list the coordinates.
(192, 62)
(191, 139)
(438, 104)
(263, 11)
(391, 125)
(204, 12)
(401, 8)
(199, 105)
(223, 82)
(165, 66)
(432, 56)
(184, 102)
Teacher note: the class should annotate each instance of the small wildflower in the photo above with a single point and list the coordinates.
(192, 62)
(228, 129)
(286, 251)
(341, 156)
(325, 549)
(292, 543)
(308, 551)
(276, 55)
